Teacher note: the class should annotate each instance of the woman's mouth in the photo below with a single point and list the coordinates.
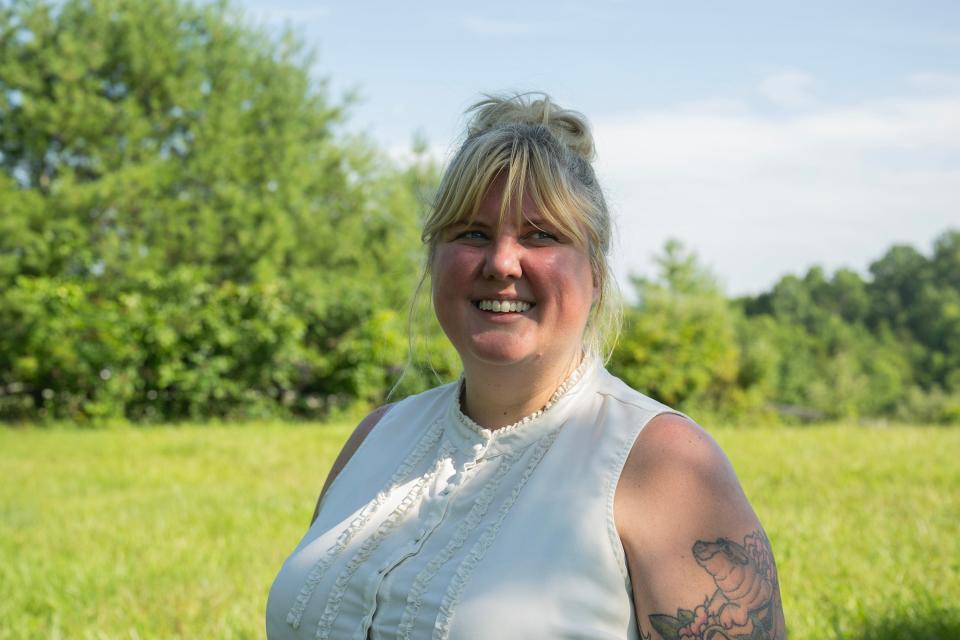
(503, 306)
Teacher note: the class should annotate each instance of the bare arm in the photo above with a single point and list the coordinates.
(700, 563)
(349, 448)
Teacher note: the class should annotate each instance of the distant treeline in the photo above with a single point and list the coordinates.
(187, 232)
(812, 348)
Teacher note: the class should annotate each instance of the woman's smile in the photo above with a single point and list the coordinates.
(503, 312)
(503, 306)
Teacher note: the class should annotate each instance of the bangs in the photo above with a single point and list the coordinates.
(526, 169)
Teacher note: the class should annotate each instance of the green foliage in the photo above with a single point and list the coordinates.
(887, 346)
(919, 298)
(812, 348)
(184, 231)
(178, 532)
(679, 343)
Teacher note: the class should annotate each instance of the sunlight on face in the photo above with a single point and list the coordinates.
(515, 293)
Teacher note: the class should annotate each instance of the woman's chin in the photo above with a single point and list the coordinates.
(501, 353)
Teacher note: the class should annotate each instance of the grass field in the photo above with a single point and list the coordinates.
(178, 532)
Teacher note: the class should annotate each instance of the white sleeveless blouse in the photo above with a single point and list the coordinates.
(438, 528)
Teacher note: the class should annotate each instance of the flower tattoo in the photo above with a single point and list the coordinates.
(746, 604)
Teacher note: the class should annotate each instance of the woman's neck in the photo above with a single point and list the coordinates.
(497, 396)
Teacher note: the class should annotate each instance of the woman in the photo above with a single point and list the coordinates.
(538, 496)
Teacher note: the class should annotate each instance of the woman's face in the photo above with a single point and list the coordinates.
(541, 282)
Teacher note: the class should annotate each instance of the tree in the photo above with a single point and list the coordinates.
(679, 343)
(185, 229)
(855, 347)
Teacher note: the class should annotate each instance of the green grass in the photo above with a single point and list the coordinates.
(864, 524)
(178, 532)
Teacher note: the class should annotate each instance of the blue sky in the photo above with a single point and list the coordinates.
(766, 137)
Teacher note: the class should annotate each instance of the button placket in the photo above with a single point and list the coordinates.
(382, 582)
(380, 578)
(437, 509)
(437, 512)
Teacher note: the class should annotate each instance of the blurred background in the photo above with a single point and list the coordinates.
(209, 218)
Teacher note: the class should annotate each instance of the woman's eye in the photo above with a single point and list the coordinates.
(539, 234)
(470, 234)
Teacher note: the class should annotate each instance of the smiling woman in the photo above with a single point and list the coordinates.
(504, 289)
(538, 496)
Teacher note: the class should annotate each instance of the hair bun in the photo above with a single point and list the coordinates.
(533, 108)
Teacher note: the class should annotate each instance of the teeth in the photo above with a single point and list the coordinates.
(504, 306)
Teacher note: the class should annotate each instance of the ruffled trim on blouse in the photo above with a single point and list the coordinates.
(319, 569)
(568, 384)
(464, 571)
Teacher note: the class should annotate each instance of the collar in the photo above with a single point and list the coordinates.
(480, 443)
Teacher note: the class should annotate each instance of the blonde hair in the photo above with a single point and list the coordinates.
(541, 149)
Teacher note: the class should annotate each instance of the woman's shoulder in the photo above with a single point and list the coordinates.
(612, 387)
(676, 480)
(677, 438)
(350, 447)
(365, 427)
(675, 463)
(419, 406)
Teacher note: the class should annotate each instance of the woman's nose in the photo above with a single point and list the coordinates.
(503, 259)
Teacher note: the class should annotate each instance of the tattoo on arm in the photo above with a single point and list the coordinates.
(746, 604)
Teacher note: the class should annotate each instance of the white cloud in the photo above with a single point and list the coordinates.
(936, 81)
(789, 89)
(757, 196)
